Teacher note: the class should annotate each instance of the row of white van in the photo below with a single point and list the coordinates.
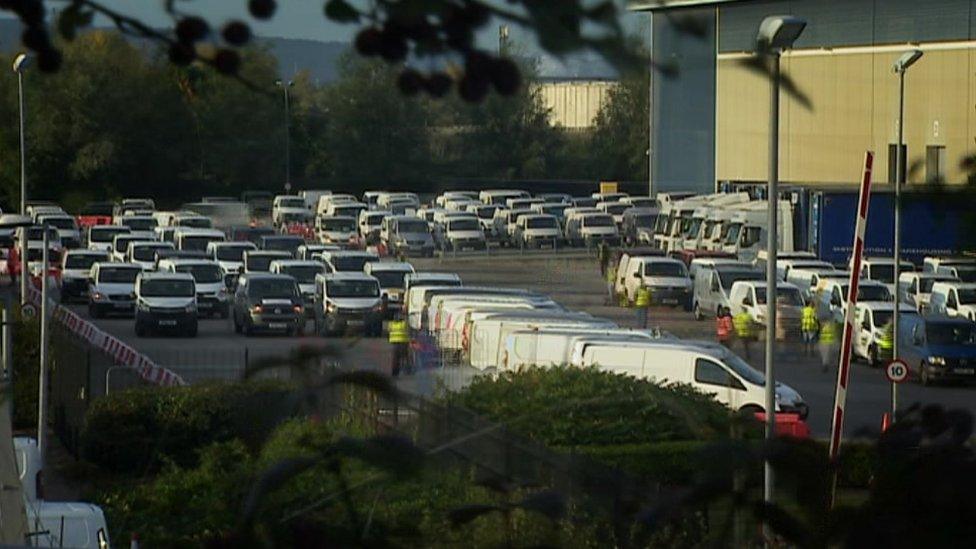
(495, 329)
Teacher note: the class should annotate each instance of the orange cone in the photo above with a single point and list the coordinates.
(885, 421)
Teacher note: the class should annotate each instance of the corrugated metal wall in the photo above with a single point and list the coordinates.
(574, 104)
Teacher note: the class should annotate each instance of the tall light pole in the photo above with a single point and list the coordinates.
(906, 60)
(776, 34)
(21, 62)
(285, 86)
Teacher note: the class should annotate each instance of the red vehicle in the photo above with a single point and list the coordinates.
(687, 256)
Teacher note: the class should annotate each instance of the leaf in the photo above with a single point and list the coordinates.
(341, 12)
(467, 513)
(549, 503)
(367, 379)
(272, 479)
(71, 18)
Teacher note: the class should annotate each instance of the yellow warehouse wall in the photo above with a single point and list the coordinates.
(854, 108)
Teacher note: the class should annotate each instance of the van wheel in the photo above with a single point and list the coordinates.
(873, 356)
(698, 313)
(923, 375)
(247, 329)
(750, 411)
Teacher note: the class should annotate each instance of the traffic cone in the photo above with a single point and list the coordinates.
(885, 421)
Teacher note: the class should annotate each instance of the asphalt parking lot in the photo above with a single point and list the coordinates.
(571, 278)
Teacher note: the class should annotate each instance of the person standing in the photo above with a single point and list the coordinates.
(723, 325)
(744, 331)
(642, 301)
(603, 256)
(400, 340)
(610, 276)
(886, 343)
(828, 343)
(808, 327)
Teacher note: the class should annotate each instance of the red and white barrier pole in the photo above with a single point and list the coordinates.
(847, 336)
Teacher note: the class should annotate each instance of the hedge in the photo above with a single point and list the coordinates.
(136, 430)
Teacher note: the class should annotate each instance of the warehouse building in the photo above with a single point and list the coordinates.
(574, 104)
(709, 124)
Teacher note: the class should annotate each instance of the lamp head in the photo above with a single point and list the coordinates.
(779, 32)
(21, 62)
(907, 60)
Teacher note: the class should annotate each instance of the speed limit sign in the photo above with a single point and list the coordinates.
(29, 310)
(896, 371)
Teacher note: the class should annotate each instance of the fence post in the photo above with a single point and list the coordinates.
(87, 377)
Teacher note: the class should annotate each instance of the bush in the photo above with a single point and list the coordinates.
(571, 407)
(672, 463)
(26, 357)
(135, 431)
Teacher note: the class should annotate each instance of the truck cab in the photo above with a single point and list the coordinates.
(749, 226)
(870, 318)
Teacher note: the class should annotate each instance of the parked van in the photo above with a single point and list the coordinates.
(66, 226)
(144, 253)
(343, 300)
(954, 299)
(348, 261)
(285, 207)
(784, 267)
(464, 233)
(939, 348)
(434, 297)
(304, 272)
(311, 197)
(487, 335)
(882, 269)
(308, 251)
(709, 368)
(499, 196)
(870, 318)
(101, 237)
(592, 229)
(120, 245)
(259, 261)
(537, 231)
(370, 222)
(75, 271)
(407, 235)
(550, 347)
(213, 297)
(192, 220)
(750, 296)
(67, 524)
(714, 284)
(808, 278)
(931, 264)
(916, 288)
(229, 255)
(455, 318)
(638, 225)
(166, 301)
(833, 296)
(325, 202)
(196, 239)
(414, 301)
(112, 289)
(391, 275)
(966, 273)
(265, 301)
(667, 278)
(337, 230)
(346, 209)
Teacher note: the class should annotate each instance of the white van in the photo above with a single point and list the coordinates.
(954, 299)
(707, 367)
(713, 285)
(833, 296)
(454, 322)
(870, 318)
(667, 278)
(750, 296)
(285, 205)
(499, 196)
(434, 297)
(101, 237)
(391, 275)
(916, 288)
(28, 459)
(67, 524)
(213, 298)
(230, 255)
(415, 289)
(336, 230)
(487, 335)
(143, 252)
(882, 269)
(327, 200)
(807, 279)
(191, 239)
(784, 267)
(549, 347)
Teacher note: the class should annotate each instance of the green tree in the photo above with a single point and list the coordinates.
(618, 144)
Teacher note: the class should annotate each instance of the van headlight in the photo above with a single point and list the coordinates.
(142, 306)
(191, 308)
(937, 360)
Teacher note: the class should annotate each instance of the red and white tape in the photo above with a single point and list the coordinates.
(122, 353)
(844, 370)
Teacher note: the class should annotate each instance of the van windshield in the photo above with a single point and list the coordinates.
(541, 223)
(122, 244)
(304, 274)
(140, 223)
(283, 244)
(925, 284)
(261, 263)
(732, 233)
(883, 273)
(463, 225)
(195, 222)
(660, 268)
(231, 253)
(339, 225)
(82, 261)
(63, 223)
(953, 333)
(967, 296)
(203, 273)
(966, 274)
(166, 288)
(105, 235)
(390, 279)
(728, 278)
(349, 263)
(347, 210)
(411, 227)
(147, 252)
(694, 227)
(598, 221)
(870, 293)
(291, 203)
(272, 289)
(197, 243)
(744, 370)
(118, 276)
(617, 208)
(643, 221)
(751, 236)
(352, 288)
(785, 296)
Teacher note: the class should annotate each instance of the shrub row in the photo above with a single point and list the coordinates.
(137, 430)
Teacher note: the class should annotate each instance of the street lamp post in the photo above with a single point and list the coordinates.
(776, 34)
(905, 61)
(285, 87)
(21, 62)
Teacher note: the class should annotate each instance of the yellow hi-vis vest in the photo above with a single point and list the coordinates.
(398, 332)
(808, 322)
(643, 298)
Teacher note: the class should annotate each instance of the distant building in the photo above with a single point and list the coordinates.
(574, 104)
(710, 123)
